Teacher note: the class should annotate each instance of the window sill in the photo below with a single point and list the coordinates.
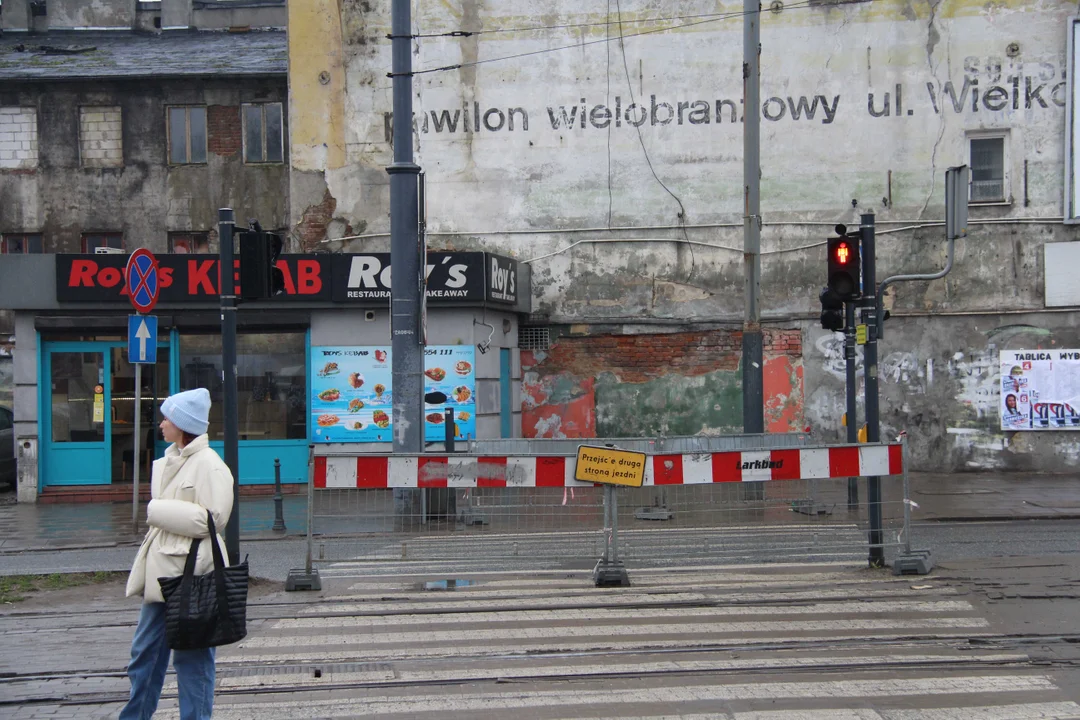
(990, 203)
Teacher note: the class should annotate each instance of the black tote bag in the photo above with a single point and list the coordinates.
(206, 610)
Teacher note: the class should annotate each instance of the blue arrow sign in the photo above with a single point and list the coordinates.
(142, 339)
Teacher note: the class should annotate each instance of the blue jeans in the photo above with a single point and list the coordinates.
(149, 661)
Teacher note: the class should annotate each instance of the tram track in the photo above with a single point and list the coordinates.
(1009, 655)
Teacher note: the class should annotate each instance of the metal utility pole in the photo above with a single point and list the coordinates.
(852, 396)
(405, 261)
(752, 362)
(226, 224)
(870, 364)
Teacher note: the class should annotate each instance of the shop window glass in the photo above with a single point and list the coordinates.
(271, 381)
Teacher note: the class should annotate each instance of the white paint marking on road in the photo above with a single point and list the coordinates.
(601, 599)
(608, 613)
(1026, 711)
(539, 668)
(521, 699)
(372, 634)
(393, 652)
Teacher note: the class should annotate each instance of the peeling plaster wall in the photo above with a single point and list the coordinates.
(940, 381)
(639, 385)
(597, 162)
(146, 198)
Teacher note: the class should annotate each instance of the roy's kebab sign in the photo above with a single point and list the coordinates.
(363, 279)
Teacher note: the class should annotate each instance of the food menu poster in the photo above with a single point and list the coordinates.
(1040, 390)
(352, 395)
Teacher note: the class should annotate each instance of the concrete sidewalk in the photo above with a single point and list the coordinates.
(58, 526)
(939, 497)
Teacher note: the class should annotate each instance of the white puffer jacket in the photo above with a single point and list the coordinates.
(183, 486)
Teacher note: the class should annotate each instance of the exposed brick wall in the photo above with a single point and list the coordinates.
(312, 226)
(656, 384)
(224, 130)
(638, 358)
(101, 141)
(18, 138)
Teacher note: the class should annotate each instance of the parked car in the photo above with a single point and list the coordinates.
(7, 446)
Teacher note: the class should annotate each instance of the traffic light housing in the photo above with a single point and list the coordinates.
(832, 310)
(844, 266)
(260, 277)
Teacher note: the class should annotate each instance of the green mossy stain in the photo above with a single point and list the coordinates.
(669, 405)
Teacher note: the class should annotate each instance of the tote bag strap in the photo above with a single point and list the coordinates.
(219, 574)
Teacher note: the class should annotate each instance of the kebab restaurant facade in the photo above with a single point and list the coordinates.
(313, 364)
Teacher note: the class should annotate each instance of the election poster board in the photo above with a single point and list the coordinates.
(352, 395)
(1040, 389)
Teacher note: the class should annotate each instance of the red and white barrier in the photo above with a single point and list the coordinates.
(469, 471)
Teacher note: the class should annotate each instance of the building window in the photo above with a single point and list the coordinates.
(19, 244)
(185, 243)
(989, 180)
(271, 382)
(263, 133)
(187, 135)
(18, 138)
(100, 137)
(534, 337)
(92, 241)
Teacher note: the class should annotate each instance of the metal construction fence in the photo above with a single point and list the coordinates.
(514, 504)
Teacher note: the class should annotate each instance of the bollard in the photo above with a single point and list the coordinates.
(279, 511)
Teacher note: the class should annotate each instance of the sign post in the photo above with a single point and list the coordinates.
(610, 467)
(143, 287)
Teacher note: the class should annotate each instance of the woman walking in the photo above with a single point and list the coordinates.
(184, 484)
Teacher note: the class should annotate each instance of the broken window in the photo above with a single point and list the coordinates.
(263, 141)
(18, 244)
(187, 135)
(987, 159)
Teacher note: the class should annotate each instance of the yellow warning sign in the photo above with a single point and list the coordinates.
(861, 334)
(610, 466)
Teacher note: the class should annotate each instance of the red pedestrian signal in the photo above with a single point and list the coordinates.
(842, 252)
(844, 272)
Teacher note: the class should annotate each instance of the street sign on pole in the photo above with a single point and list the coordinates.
(142, 339)
(142, 350)
(141, 279)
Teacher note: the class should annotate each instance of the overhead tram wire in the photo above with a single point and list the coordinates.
(608, 22)
(727, 16)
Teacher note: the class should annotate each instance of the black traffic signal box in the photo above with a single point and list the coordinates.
(260, 277)
(844, 267)
(832, 310)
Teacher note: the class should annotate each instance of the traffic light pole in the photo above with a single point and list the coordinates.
(870, 364)
(226, 225)
(753, 364)
(407, 362)
(852, 396)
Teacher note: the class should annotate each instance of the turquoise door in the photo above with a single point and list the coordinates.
(76, 425)
(88, 411)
